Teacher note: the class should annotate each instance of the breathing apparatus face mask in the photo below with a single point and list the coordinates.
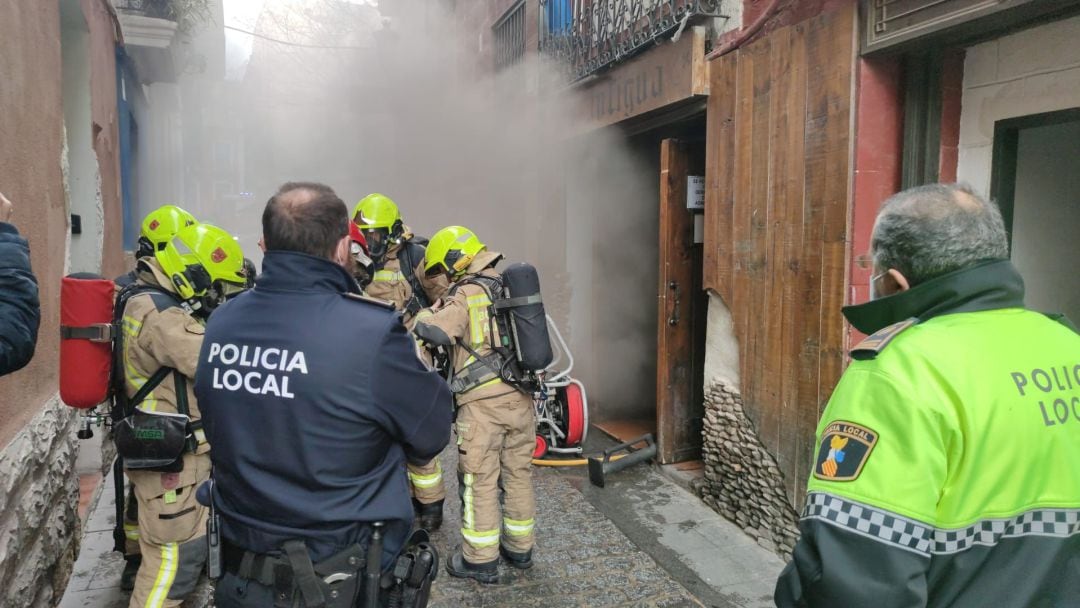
(145, 248)
(378, 240)
(217, 294)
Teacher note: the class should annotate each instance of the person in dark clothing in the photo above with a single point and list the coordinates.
(20, 310)
(314, 398)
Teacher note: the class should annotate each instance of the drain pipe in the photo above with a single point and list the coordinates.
(747, 32)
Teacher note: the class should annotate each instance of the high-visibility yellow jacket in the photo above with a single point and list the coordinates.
(947, 471)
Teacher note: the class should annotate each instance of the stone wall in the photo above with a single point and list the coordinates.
(1020, 74)
(39, 521)
(742, 481)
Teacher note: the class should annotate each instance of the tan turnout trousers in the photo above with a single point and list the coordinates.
(426, 481)
(172, 538)
(496, 438)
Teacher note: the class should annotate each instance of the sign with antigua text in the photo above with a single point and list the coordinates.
(666, 74)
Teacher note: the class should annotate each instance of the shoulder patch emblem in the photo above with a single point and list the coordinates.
(370, 300)
(845, 448)
(876, 342)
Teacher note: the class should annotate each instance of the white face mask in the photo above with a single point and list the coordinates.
(873, 285)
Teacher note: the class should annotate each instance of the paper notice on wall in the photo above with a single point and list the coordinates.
(695, 192)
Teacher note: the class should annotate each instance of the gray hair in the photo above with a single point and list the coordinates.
(932, 230)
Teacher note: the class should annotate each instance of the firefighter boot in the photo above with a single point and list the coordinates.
(458, 566)
(521, 561)
(429, 516)
(131, 569)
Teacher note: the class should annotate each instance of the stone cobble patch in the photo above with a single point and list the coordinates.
(581, 558)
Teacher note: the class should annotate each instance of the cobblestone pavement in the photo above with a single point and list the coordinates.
(581, 559)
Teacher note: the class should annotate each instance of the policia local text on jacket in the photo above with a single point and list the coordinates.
(20, 312)
(159, 333)
(948, 466)
(314, 423)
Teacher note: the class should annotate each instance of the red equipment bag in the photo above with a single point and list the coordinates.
(86, 332)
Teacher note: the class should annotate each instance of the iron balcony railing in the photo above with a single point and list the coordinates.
(587, 36)
(159, 9)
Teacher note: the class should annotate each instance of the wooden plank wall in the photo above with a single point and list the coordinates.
(778, 175)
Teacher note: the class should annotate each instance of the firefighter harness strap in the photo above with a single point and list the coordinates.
(505, 303)
(473, 375)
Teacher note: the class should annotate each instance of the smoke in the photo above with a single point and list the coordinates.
(396, 99)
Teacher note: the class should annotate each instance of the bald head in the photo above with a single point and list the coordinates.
(929, 231)
(305, 217)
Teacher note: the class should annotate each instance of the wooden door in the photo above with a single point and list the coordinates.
(678, 407)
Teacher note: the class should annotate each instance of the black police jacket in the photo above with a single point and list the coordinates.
(312, 401)
(20, 312)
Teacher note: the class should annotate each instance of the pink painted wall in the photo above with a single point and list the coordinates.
(31, 117)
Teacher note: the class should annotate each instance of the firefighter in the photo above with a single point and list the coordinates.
(163, 329)
(495, 426)
(311, 425)
(364, 267)
(158, 228)
(947, 470)
(397, 277)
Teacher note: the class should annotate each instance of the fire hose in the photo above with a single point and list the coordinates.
(570, 462)
(608, 461)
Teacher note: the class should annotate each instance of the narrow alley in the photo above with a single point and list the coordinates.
(642, 303)
(644, 540)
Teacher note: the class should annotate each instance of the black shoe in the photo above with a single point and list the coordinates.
(131, 569)
(521, 561)
(429, 516)
(458, 566)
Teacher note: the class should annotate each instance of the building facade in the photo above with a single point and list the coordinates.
(792, 121)
(79, 79)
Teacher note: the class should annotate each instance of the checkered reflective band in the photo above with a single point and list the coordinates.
(917, 537)
(878, 524)
(1061, 523)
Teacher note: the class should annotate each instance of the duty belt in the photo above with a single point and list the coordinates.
(294, 571)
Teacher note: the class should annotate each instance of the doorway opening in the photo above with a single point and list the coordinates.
(676, 160)
(1036, 182)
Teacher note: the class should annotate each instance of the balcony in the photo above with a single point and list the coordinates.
(589, 36)
(150, 31)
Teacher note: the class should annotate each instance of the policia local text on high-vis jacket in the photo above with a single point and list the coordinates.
(947, 471)
(314, 423)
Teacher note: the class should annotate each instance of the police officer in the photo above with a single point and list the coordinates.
(496, 426)
(157, 230)
(946, 472)
(397, 276)
(162, 327)
(313, 424)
